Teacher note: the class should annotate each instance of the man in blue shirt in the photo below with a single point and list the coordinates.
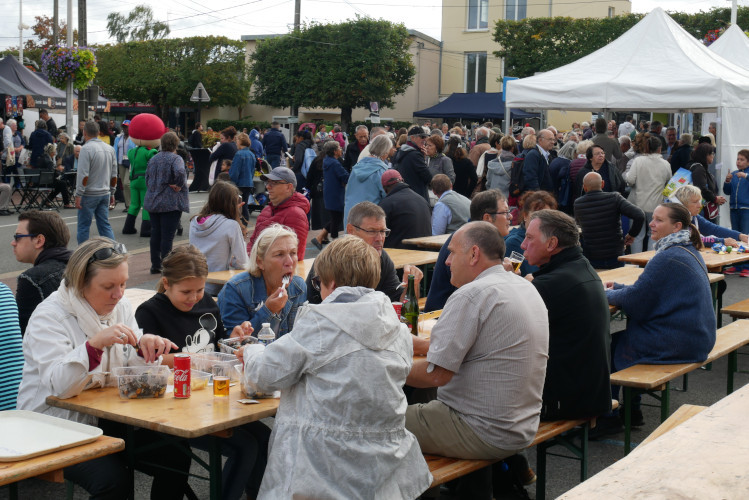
(275, 145)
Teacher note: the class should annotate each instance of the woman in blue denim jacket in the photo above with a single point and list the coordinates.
(260, 295)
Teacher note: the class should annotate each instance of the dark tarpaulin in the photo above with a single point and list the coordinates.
(20, 76)
(8, 88)
(474, 106)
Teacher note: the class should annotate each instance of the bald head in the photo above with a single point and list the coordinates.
(592, 182)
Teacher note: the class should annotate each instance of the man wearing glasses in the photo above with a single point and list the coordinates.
(286, 207)
(41, 239)
(536, 175)
(367, 221)
(490, 206)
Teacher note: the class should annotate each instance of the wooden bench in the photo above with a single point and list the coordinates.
(654, 379)
(739, 310)
(684, 413)
(549, 434)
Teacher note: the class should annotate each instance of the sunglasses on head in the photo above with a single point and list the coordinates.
(105, 253)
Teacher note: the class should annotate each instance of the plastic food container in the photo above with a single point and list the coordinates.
(230, 346)
(204, 361)
(139, 382)
(199, 380)
(247, 389)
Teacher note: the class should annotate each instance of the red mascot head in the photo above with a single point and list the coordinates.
(146, 130)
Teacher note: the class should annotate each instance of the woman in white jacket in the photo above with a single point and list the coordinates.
(74, 338)
(340, 428)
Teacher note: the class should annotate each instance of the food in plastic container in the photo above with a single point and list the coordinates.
(139, 382)
(230, 346)
(199, 380)
(248, 390)
(204, 361)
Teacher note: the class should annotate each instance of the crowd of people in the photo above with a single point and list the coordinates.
(512, 346)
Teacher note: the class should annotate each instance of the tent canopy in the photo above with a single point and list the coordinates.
(9, 88)
(478, 106)
(655, 66)
(22, 77)
(733, 44)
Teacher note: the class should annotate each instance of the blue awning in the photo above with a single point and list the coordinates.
(477, 106)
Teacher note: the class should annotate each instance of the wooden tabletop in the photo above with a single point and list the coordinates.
(200, 414)
(136, 296)
(431, 242)
(714, 261)
(705, 457)
(11, 472)
(627, 275)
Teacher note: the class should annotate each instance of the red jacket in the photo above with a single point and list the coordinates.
(291, 213)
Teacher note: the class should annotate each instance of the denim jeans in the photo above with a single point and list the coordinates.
(94, 206)
(163, 227)
(274, 160)
(740, 220)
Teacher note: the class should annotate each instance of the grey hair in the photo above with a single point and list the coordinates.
(364, 210)
(558, 224)
(380, 145)
(11, 122)
(49, 148)
(483, 132)
(686, 139)
(377, 131)
(569, 150)
(687, 193)
(486, 237)
(62, 135)
(329, 147)
(91, 128)
(569, 135)
(583, 146)
(625, 140)
(360, 127)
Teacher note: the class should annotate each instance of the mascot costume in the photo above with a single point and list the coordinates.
(145, 131)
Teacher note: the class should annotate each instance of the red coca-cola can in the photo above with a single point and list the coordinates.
(181, 376)
(397, 306)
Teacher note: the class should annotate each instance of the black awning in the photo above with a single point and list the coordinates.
(476, 106)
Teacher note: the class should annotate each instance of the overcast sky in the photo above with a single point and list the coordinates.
(237, 17)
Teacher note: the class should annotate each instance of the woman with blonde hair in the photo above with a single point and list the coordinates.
(270, 291)
(73, 341)
(340, 428)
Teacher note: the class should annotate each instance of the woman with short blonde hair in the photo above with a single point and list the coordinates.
(691, 197)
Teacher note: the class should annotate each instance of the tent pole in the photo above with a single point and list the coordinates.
(69, 87)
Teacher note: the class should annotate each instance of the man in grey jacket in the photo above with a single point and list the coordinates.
(95, 183)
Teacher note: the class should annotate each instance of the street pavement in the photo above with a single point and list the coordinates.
(705, 387)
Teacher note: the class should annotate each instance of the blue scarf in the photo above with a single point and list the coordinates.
(677, 238)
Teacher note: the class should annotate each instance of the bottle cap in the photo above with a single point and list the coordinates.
(266, 325)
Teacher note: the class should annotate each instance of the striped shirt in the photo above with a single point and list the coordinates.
(494, 336)
(11, 351)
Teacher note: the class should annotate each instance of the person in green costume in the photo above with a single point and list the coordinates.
(138, 162)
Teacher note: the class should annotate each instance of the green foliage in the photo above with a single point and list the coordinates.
(344, 65)
(139, 25)
(543, 44)
(165, 72)
(69, 63)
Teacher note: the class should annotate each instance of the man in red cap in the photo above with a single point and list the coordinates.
(406, 213)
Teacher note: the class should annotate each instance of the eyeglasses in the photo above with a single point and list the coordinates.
(105, 253)
(383, 232)
(315, 283)
(506, 213)
(17, 236)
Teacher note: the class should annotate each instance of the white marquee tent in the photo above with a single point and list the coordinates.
(733, 44)
(655, 66)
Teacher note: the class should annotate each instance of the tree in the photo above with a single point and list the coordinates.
(138, 25)
(42, 30)
(542, 44)
(344, 66)
(165, 72)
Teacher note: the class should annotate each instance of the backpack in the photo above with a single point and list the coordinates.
(516, 175)
(309, 156)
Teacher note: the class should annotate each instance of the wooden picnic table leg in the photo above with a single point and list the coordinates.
(665, 402)
(584, 450)
(541, 471)
(717, 303)
(13, 491)
(732, 368)
(627, 420)
(214, 467)
(130, 452)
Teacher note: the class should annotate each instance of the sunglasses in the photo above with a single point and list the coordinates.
(18, 236)
(315, 283)
(105, 253)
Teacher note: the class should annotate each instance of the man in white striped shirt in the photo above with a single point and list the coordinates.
(487, 356)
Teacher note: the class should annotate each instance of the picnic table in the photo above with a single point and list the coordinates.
(706, 456)
(430, 242)
(713, 260)
(50, 466)
(136, 296)
(199, 415)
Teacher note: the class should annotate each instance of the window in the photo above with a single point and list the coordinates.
(478, 14)
(612, 11)
(475, 72)
(516, 10)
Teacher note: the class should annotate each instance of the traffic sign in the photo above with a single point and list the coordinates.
(200, 94)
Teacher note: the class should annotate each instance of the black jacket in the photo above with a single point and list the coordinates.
(599, 214)
(680, 157)
(409, 161)
(704, 180)
(407, 215)
(614, 182)
(578, 370)
(38, 283)
(465, 177)
(351, 156)
(196, 139)
(389, 283)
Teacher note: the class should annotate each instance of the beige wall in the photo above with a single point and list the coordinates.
(562, 120)
(425, 53)
(458, 40)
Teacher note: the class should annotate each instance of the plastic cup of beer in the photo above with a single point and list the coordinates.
(517, 259)
(221, 379)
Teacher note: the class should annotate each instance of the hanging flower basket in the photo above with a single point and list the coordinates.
(61, 64)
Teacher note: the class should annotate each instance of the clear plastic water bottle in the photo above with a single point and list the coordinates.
(266, 335)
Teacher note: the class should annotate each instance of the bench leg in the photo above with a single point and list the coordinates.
(584, 450)
(665, 402)
(732, 367)
(541, 472)
(627, 420)
(130, 452)
(214, 461)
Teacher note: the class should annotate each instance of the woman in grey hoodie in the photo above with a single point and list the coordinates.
(217, 233)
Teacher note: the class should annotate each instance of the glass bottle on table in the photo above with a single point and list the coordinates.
(410, 308)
